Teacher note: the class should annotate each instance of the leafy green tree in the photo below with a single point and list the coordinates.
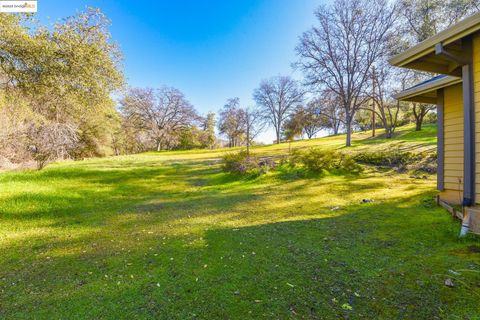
(67, 76)
(190, 138)
(424, 18)
(363, 120)
(209, 139)
(294, 125)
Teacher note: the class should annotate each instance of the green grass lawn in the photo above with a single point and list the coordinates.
(170, 236)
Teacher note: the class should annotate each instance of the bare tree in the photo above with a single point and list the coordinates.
(254, 123)
(240, 124)
(338, 53)
(231, 122)
(276, 97)
(163, 113)
(420, 110)
(386, 108)
(332, 115)
(51, 141)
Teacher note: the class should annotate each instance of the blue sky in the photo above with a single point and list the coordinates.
(211, 50)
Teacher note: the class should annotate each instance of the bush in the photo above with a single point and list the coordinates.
(265, 165)
(425, 163)
(312, 160)
(349, 164)
(401, 161)
(239, 162)
(385, 158)
(316, 160)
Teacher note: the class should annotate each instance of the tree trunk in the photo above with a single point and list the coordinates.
(248, 141)
(388, 132)
(159, 146)
(349, 132)
(418, 124)
(418, 117)
(335, 129)
(373, 102)
(277, 132)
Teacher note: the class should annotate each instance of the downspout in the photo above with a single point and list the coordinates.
(466, 62)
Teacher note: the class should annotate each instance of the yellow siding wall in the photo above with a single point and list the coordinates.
(453, 130)
(476, 80)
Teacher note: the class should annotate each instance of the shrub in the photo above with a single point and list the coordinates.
(239, 162)
(294, 159)
(424, 163)
(317, 160)
(401, 161)
(349, 164)
(265, 165)
(393, 158)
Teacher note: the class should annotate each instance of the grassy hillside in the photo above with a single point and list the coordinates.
(405, 139)
(170, 236)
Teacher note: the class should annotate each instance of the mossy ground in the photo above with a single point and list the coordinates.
(170, 236)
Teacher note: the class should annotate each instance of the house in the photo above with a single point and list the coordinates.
(454, 54)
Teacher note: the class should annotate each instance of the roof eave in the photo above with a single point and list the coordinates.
(447, 36)
(415, 93)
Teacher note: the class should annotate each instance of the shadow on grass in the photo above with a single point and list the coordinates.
(88, 195)
(91, 197)
(288, 173)
(376, 260)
